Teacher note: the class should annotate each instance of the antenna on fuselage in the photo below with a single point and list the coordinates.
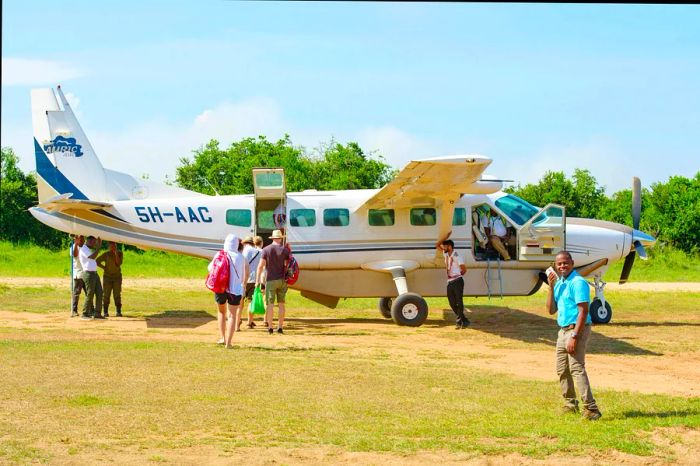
(222, 173)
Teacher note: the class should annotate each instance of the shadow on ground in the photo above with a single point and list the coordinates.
(527, 327)
(178, 319)
(505, 322)
(660, 414)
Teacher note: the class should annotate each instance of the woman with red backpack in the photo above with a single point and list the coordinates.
(228, 273)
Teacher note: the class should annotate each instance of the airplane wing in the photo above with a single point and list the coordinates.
(443, 178)
(63, 202)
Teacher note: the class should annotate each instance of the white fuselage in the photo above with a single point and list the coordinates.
(337, 260)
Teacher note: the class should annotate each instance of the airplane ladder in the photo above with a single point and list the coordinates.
(490, 280)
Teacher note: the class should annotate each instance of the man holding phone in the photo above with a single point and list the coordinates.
(569, 295)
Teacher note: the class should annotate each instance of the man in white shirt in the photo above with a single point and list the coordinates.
(93, 302)
(78, 282)
(252, 252)
(496, 232)
(455, 268)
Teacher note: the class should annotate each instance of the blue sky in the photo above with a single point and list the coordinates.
(611, 88)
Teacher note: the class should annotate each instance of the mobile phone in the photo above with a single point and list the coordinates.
(551, 270)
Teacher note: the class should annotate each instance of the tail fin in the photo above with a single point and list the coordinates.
(67, 164)
(65, 160)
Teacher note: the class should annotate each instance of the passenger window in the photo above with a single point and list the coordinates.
(302, 217)
(423, 216)
(381, 217)
(239, 217)
(336, 217)
(460, 216)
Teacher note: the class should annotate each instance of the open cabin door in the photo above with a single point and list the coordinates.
(270, 201)
(544, 235)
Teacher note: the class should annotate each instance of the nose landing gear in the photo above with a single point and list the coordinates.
(600, 309)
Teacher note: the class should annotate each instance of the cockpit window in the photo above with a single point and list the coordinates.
(517, 209)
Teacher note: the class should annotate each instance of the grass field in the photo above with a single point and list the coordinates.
(665, 264)
(341, 382)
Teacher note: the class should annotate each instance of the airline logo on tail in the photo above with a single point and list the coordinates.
(66, 147)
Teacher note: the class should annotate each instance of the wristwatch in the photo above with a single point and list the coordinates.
(573, 334)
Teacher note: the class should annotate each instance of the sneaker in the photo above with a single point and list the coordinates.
(220, 341)
(119, 313)
(97, 316)
(279, 330)
(270, 330)
(74, 314)
(85, 317)
(591, 414)
(463, 323)
(106, 314)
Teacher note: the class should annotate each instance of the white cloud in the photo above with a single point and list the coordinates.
(229, 121)
(155, 147)
(396, 146)
(611, 167)
(33, 72)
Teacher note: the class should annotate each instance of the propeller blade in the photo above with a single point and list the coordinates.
(627, 267)
(640, 250)
(636, 202)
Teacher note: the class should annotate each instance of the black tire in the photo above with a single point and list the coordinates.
(409, 309)
(385, 307)
(600, 314)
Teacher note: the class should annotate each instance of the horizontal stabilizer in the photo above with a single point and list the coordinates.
(63, 202)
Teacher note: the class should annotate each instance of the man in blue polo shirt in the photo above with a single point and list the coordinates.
(569, 295)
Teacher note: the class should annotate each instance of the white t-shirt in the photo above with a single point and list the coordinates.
(452, 263)
(252, 257)
(235, 280)
(77, 266)
(495, 224)
(89, 265)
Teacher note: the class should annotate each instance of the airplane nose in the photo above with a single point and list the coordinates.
(644, 238)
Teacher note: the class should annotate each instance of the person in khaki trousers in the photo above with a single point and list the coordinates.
(569, 295)
(111, 262)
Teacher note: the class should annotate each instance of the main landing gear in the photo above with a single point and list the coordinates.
(407, 308)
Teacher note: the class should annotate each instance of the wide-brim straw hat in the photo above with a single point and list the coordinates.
(276, 234)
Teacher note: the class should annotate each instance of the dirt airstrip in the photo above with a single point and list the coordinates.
(506, 351)
(673, 374)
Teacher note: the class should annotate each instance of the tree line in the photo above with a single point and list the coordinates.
(670, 210)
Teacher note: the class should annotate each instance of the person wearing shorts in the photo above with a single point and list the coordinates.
(231, 299)
(274, 260)
(252, 254)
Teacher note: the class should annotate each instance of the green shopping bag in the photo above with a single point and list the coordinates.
(257, 304)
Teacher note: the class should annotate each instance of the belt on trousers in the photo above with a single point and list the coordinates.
(571, 327)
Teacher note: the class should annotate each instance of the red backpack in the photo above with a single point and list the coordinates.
(291, 273)
(218, 278)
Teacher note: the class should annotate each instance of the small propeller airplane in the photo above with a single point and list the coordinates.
(354, 243)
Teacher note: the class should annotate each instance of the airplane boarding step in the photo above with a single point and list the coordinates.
(494, 276)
